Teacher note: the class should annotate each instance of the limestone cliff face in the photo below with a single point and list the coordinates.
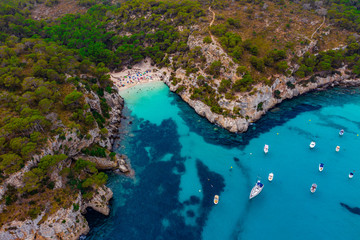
(255, 105)
(119, 163)
(69, 223)
(100, 201)
(251, 106)
(64, 224)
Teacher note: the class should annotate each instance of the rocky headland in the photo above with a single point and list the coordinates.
(69, 223)
(252, 104)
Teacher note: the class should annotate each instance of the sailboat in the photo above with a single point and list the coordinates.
(312, 144)
(256, 189)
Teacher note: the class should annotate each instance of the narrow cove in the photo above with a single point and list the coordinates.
(181, 161)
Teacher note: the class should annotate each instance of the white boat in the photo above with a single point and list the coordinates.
(271, 177)
(351, 175)
(312, 144)
(341, 132)
(256, 189)
(313, 188)
(337, 148)
(321, 167)
(266, 148)
(216, 199)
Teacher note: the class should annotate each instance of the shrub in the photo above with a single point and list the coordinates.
(290, 85)
(76, 207)
(207, 40)
(241, 70)
(34, 212)
(277, 94)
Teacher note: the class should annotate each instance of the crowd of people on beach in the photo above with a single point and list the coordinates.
(133, 76)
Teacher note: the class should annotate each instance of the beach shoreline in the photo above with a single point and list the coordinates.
(140, 73)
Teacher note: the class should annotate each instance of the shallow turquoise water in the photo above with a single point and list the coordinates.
(182, 161)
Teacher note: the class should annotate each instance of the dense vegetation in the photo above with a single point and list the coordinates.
(40, 100)
(42, 94)
(48, 67)
(327, 62)
(344, 13)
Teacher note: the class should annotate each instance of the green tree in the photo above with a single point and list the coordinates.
(10, 163)
(45, 105)
(72, 99)
(215, 68)
(207, 40)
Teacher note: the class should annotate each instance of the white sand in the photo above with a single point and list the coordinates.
(142, 72)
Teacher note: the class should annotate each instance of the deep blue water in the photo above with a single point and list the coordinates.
(181, 161)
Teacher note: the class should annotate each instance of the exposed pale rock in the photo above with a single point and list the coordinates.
(67, 223)
(100, 201)
(106, 163)
(264, 95)
(63, 224)
(94, 102)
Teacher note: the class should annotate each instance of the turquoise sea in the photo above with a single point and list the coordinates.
(181, 161)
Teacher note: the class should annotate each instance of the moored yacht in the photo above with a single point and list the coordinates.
(351, 175)
(337, 148)
(256, 189)
(216, 199)
(321, 167)
(341, 132)
(313, 188)
(266, 148)
(271, 177)
(312, 144)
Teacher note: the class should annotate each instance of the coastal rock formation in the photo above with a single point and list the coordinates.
(64, 224)
(253, 106)
(69, 223)
(116, 103)
(118, 163)
(100, 201)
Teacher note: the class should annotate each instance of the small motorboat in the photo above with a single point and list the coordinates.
(266, 148)
(321, 167)
(256, 189)
(216, 199)
(270, 177)
(313, 188)
(351, 175)
(337, 148)
(312, 144)
(341, 132)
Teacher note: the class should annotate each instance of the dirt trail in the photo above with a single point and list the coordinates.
(211, 23)
(318, 28)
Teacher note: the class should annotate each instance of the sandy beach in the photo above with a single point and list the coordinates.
(140, 73)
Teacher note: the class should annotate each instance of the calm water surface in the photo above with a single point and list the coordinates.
(182, 161)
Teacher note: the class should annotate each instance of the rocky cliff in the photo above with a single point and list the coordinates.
(69, 223)
(251, 105)
(64, 224)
